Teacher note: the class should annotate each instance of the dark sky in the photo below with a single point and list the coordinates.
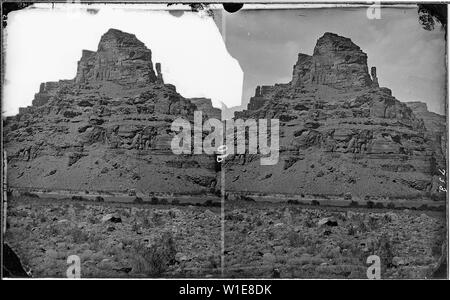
(409, 59)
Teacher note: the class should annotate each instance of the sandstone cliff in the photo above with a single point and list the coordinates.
(340, 133)
(107, 129)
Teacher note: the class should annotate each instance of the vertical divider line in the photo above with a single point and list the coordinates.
(222, 170)
(5, 193)
(222, 217)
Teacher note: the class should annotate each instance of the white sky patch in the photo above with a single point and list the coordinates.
(44, 44)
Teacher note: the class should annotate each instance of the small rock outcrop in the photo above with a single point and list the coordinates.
(159, 76)
(120, 58)
(373, 73)
(336, 62)
(205, 105)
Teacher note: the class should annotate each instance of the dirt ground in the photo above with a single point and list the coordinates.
(262, 240)
(292, 241)
(148, 241)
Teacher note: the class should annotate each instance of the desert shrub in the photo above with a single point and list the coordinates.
(294, 239)
(157, 219)
(125, 213)
(234, 217)
(154, 260)
(78, 235)
(440, 208)
(309, 223)
(154, 201)
(370, 204)
(213, 262)
(438, 196)
(246, 198)
(423, 207)
(78, 198)
(386, 251)
(351, 230)
(379, 205)
(28, 194)
(270, 235)
(438, 248)
(347, 196)
(362, 227)
(211, 203)
(138, 200)
(372, 223)
(353, 203)
(216, 192)
(135, 227)
(391, 205)
(315, 203)
(258, 221)
(290, 162)
(146, 223)
(51, 231)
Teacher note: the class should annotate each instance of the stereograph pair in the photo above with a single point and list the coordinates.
(271, 140)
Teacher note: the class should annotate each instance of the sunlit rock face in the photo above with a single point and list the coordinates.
(120, 58)
(108, 129)
(339, 63)
(342, 133)
(336, 62)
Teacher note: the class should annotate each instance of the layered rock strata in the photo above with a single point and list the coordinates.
(108, 129)
(341, 133)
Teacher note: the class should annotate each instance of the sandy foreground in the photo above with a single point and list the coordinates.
(136, 240)
(262, 240)
(267, 240)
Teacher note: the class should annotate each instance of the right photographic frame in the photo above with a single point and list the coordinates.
(337, 156)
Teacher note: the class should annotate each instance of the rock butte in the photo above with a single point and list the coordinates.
(108, 129)
(342, 133)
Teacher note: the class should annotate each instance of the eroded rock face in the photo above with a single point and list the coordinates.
(336, 62)
(120, 58)
(341, 133)
(436, 128)
(107, 129)
(205, 105)
(302, 70)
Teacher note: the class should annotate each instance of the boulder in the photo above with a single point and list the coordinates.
(327, 222)
(114, 218)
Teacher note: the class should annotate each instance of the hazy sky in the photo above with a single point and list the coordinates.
(258, 47)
